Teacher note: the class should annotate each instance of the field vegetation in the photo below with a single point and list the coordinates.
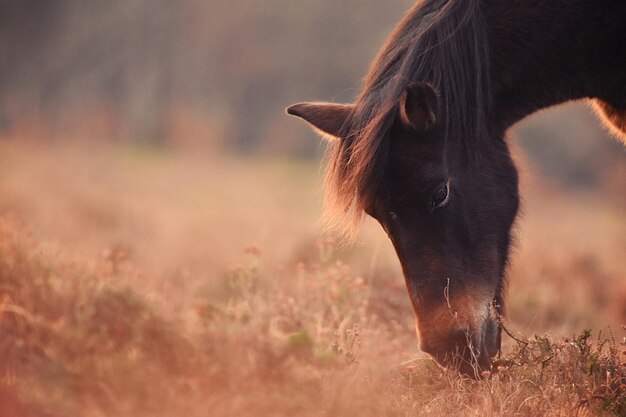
(141, 282)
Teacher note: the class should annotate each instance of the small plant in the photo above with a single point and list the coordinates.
(348, 344)
(592, 374)
(327, 248)
(244, 277)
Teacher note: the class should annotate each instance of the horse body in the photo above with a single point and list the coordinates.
(422, 150)
(552, 52)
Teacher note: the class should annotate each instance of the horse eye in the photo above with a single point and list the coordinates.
(441, 197)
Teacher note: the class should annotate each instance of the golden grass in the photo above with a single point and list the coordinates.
(125, 290)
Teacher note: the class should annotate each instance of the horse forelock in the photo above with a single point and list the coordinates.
(441, 42)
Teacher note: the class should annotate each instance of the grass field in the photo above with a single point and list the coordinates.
(138, 282)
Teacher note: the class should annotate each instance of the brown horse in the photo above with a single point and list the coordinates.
(422, 149)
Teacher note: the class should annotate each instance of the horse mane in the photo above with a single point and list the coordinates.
(440, 42)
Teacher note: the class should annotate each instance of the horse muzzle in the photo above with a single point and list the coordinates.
(467, 349)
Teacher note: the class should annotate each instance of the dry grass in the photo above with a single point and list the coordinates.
(145, 303)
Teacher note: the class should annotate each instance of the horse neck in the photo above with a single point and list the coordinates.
(552, 52)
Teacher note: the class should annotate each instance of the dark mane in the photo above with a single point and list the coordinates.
(441, 42)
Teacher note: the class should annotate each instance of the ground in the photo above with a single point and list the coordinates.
(138, 281)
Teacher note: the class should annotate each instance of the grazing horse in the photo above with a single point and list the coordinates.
(423, 151)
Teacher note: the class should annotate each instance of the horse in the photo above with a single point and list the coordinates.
(423, 148)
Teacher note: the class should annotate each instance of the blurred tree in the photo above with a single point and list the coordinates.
(246, 60)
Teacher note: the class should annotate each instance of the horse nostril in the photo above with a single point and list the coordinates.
(492, 338)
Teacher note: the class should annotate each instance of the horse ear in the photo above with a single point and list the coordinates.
(327, 118)
(419, 107)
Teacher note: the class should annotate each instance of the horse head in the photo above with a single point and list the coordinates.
(449, 219)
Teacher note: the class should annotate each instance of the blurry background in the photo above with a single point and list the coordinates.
(153, 134)
(213, 73)
(217, 75)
